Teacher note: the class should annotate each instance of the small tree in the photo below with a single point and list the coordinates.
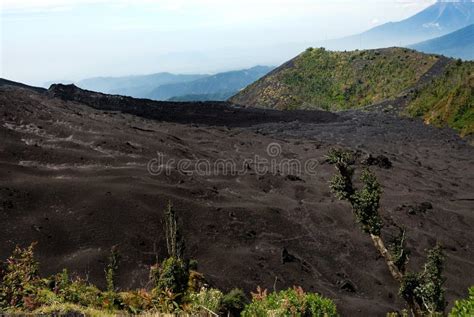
(422, 291)
(172, 276)
(111, 269)
(399, 253)
(174, 238)
(365, 202)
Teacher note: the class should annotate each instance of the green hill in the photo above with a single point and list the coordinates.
(414, 82)
(331, 80)
(449, 99)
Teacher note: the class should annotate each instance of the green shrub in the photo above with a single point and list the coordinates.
(19, 279)
(68, 309)
(431, 292)
(234, 302)
(172, 276)
(366, 203)
(205, 301)
(426, 287)
(196, 281)
(290, 302)
(82, 293)
(464, 307)
(61, 281)
(111, 269)
(341, 183)
(136, 302)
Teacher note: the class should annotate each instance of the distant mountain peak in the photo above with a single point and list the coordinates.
(455, 1)
(458, 44)
(438, 19)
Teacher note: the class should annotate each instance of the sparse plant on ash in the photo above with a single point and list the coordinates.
(423, 291)
(171, 277)
(291, 302)
(19, 278)
(111, 269)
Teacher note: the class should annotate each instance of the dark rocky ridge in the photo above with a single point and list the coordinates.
(73, 176)
(208, 112)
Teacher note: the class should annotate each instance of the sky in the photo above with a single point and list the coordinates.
(54, 40)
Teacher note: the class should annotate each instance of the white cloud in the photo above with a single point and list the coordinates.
(40, 4)
(414, 3)
(247, 6)
(19, 6)
(113, 37)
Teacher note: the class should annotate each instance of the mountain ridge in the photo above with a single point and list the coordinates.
(165, 85)
(231, 81)
(458, 44)
(135, 85)
(437, 20)
(398, 80)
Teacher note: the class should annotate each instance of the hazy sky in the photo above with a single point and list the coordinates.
(73, 39)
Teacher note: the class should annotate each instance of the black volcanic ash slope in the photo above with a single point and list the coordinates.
(73, 176)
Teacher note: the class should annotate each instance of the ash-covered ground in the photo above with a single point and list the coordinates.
(75, 177)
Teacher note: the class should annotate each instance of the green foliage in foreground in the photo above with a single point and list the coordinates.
(22, 290)
(179, 290)
(464, 307)
(172, 276)
(449, 99)
(290, 302)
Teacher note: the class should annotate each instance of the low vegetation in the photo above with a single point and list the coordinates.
(449, 100)
(178, 289)
(321, 79)
(290, 302)
(464, 307)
